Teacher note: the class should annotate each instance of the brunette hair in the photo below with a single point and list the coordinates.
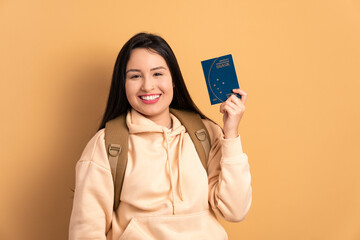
(118, 104)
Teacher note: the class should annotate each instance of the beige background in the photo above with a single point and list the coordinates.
(298, 60)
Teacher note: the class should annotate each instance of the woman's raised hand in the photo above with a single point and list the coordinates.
(233, 109)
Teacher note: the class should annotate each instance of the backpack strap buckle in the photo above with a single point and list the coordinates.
(201, 134)
(204, 139)
(114, 150)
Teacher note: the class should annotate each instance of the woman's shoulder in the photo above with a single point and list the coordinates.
(95, 150)
(96, 140)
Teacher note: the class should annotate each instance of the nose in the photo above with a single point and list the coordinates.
(148, 84)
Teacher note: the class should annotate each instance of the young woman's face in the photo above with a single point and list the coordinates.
(148, 85)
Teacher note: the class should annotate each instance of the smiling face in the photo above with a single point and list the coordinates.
(148, 85)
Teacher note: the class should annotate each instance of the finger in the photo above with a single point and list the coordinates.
(222, 107)
(242, 93)
(231, 113)
(235, 100)
(231, 108)
(239, 91)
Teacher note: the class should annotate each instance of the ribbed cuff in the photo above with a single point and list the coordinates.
(231, 148)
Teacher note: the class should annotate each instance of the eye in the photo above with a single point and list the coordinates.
(135, 76)
(157, 74)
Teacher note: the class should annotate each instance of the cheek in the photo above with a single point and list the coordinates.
(168, 87)
(130, 91)
(171, 90)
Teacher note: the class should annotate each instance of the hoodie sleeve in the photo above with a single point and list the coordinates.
(94, 192)
(230, 191)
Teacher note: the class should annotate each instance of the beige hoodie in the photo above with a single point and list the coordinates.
(167, 194)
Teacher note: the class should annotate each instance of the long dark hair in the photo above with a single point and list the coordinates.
(117, 102)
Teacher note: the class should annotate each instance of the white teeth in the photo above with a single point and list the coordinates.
(151, 97)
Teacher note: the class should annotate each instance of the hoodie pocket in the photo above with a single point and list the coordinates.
(196, 226)
(134, 232)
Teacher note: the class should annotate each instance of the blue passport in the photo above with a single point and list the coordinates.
(220, 78)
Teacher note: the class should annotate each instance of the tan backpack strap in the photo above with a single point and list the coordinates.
(203, 137)
(116, 142)
(197, 131)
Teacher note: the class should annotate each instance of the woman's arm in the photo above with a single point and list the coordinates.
(230, 192)
(94, 192)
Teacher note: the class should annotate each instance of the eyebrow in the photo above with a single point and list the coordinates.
(157, 68)
(152, 69)
(133, 70)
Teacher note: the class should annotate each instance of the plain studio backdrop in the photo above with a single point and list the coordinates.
(299, 61)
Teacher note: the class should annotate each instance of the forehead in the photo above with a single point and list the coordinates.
(142, 58)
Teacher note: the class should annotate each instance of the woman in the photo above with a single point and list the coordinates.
(166, 193)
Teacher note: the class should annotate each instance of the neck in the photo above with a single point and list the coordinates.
(162, 119)
(165, 122)
(169, 126)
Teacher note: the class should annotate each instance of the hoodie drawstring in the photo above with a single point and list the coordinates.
(170, 168)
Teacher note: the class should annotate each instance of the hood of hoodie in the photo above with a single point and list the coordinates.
(137, 123)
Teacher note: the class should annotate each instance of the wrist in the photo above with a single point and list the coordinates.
(231, 135)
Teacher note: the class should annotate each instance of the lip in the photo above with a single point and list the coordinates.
(152, 101)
